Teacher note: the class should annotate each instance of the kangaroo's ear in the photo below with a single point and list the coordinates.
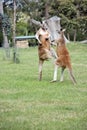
(63, 30)
(39, 38)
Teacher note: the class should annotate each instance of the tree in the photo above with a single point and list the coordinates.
(15, 59)
(5, 39)
(73, 15)
(14, 4)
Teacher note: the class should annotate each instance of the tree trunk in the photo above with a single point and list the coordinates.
(46, 10)
(74, 35)
(6, 46)
(15, 58)
(68, 36)
(5, 39)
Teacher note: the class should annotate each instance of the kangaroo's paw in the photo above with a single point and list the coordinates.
(52, 81)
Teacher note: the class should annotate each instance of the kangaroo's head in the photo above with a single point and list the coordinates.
(61, 39)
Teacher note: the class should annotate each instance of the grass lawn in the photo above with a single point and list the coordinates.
(29, 104)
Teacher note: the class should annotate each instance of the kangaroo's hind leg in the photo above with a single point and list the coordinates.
(40, 69)
(55, 73)
(72, 76)
(62, 74)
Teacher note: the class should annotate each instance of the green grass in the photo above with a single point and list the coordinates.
(28, 104)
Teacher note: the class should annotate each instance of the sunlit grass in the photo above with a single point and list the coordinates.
(28, 104)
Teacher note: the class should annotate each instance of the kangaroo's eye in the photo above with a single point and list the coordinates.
(46, 39)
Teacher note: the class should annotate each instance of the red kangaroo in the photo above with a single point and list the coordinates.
(63, 59)
(45, 51)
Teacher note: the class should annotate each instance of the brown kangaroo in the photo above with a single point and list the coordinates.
(63, 59)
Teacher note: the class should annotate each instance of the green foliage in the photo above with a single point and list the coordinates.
(6, 24)
(67, 9)
(82, 34)
(73, 14)
(21, 28)
(82, 6)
